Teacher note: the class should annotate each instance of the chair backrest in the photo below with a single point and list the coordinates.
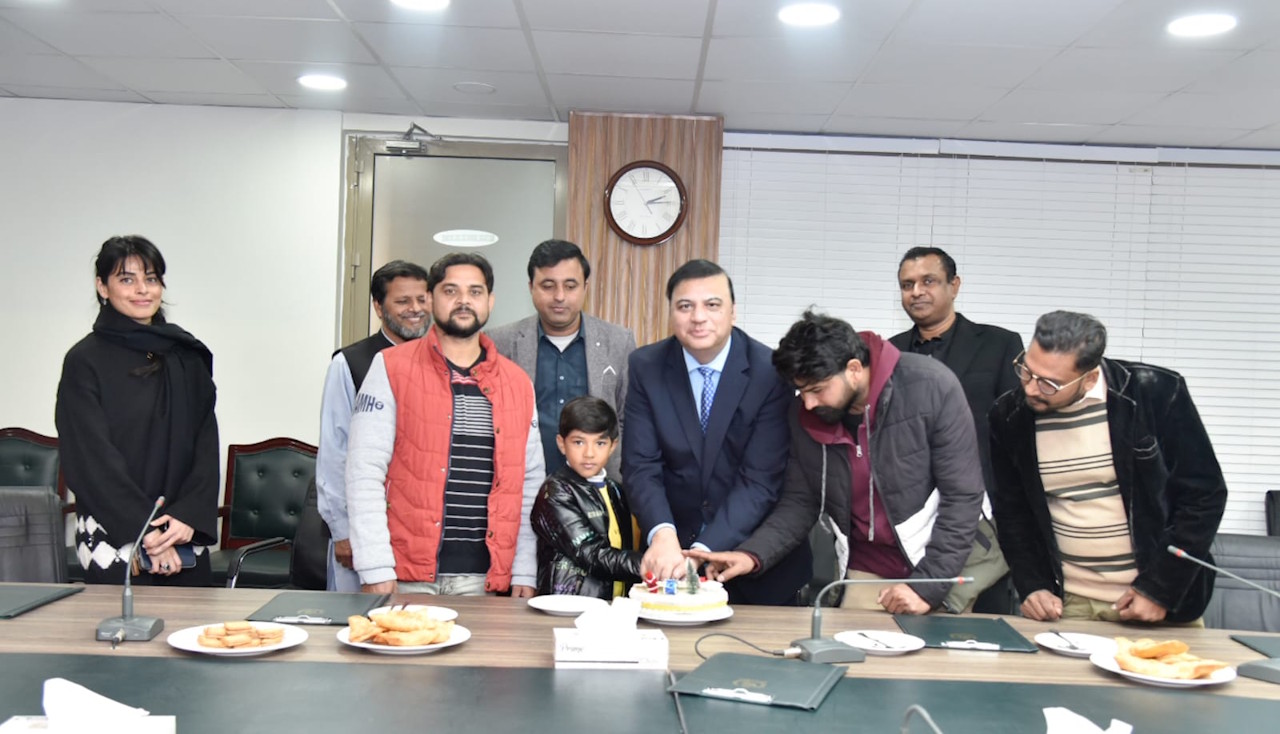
(1235, 605)
(266, 489)
(31, 545)
(28, 459)
(309, 555)
(1273, 511)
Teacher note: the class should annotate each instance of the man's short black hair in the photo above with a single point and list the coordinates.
(553, 252)
(817, 347)
(694, 270)
(1067, 332)
(441, 266)
(383, 276)
(948, 263)
(589, 415)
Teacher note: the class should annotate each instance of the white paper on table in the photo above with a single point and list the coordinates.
(1060, 720)
(71, 708)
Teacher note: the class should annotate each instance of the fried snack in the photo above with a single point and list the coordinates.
(216, 630)
(239, 635)
(1151, 649)
(361, 629)
(237, 627)
(1180, 665)
(399, 628)
(206, 641)
(403, 620)
(416, 638)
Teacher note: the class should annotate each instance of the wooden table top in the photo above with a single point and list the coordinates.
(507, 633)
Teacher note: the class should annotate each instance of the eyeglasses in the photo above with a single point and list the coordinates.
(1046, 386)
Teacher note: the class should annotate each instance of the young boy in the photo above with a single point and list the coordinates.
(585, 534)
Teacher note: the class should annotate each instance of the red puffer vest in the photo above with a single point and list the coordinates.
(419, 378)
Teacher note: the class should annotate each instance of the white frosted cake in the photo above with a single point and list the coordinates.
(681, 596)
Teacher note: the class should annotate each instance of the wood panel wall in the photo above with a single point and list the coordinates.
(628, 282)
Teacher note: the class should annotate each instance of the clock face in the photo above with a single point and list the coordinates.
(645, 203)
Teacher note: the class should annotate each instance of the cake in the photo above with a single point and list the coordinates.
(686, 596)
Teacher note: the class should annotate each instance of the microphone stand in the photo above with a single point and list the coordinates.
(817, 650)
(127, 626)
(1267, 670)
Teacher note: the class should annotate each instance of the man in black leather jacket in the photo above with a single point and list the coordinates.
(1099, 466)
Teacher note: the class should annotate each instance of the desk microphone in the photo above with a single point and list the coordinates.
(1268, 670)
(817, 650)
(127, 626)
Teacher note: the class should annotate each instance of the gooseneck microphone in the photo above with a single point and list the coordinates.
(1175, 550)
(127, 626)
(817, 650)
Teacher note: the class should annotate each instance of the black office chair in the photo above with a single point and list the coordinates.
(31, 536)
(265, 492)
(1273, 511)
(1235, 605)
(30, 459)
(308, 553)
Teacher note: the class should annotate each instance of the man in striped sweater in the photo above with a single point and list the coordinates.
(1100, 465)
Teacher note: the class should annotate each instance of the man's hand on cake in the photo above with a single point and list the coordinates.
(900, 599)
(664, 558)
(724, 565)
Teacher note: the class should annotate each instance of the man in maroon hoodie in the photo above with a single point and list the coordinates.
(883, 453)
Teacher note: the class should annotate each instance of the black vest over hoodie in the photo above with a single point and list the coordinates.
(360, 356)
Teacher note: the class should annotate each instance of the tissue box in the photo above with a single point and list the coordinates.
(635, 649)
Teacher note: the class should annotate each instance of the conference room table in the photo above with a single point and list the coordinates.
(503, 678)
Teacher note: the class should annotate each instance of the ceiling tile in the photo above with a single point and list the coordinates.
(130, 6)
(1240, 110)
(138, 35)
(1141, 24)
(1151, 135)
(893, 127)
(5, 93)
(436, 85)
(50, 71)
(260, 39)
(773, 122)
(1020, 23)
(15, 41)
(250, 8)
(610, 94)
(859, 21)
(215, 100)
(1026, 132)
(1257, 71)
(917, 101)
(1268, 139)
(663, 17)
(1086, 108)
(612, 54)
(486, 49)
(1126, 70)
(786, 58)
(362, 80)
(176, 75)
(479, 13)
(487, 111)
(374, 106)
(990, 66)
(803, 98)
(90, 95)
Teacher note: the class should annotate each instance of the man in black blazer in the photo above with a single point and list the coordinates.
(981, 355)
(707, 437)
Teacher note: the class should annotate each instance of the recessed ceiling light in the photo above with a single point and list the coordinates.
(474, 88)
(1195, 26)
(425, 5)
(325, 82)
(465, 238)
(809, 14)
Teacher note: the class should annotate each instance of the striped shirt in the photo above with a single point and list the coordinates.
(470, 477)
(1088, 514)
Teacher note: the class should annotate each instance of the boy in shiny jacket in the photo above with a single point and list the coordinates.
(586, 538)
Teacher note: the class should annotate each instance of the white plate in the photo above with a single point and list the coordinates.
(566, 605)
(879, 642)
(460, 635)
(1086, 645)
(442, 614)
(185, 639)
(1107, 661)
(686, 619)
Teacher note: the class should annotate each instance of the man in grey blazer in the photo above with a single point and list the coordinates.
(566, 352)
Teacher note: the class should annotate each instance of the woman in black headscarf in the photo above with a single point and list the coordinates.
(135, 422)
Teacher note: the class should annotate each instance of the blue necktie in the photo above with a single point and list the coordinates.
(708, 394)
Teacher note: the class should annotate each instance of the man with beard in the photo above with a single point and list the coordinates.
(1100, 465)
(883, 448)
(399, 294)
(445, 459)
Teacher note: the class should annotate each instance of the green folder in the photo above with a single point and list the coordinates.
(1268, 645)
(760, 680)
(19, 599)
(317, 607)
(951, 632)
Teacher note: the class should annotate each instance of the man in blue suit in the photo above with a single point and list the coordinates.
(707, 437)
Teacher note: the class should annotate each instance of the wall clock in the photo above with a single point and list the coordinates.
(645, 202)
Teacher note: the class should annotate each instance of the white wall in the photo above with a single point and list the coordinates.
(243, 203)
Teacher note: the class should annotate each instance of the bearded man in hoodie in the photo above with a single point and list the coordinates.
(884, 454)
